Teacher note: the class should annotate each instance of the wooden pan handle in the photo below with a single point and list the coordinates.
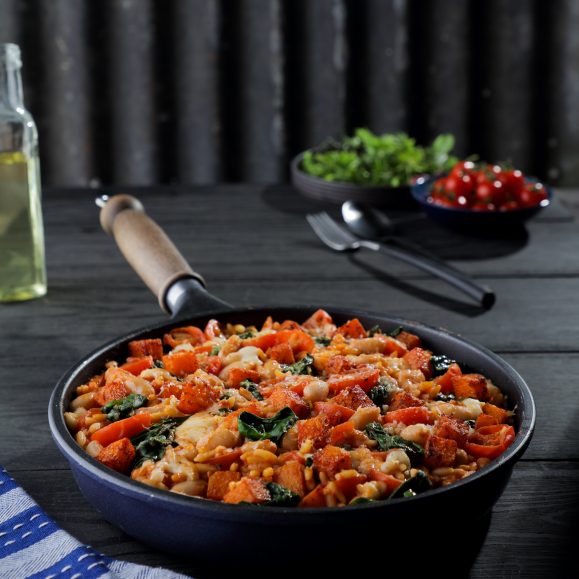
(145, 245)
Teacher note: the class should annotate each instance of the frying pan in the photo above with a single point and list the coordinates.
(213, 531)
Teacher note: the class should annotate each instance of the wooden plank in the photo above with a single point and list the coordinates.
(513, 544)
(379, 51)
(318, 74)
(228, 217)
(507, 71)
(561, 76)
(440, 72)
(260, 96)
(198, 54)
(65, 132)
(131, 88)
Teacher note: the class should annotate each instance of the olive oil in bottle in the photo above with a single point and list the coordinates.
(22, 268)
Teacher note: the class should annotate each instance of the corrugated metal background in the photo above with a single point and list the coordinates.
(201, 91)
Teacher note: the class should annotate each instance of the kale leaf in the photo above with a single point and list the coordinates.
(252, 388)
(440, 364)
(386, 441)
(320, 341)
(281, 496)
(151, 443)
(380, 394)
(256, 428)
(123, 407)
(413, 486)
(303, 366)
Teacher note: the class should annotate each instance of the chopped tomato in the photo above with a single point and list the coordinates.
(315, 498)
(111, 391)
(485, 420)
(316, 429)
(281, 353)
(490, 441)
(365, 378)
(212, 330)
(419, 359)
(452, 428)
(187, 335)
(297, 339)
(125, 428)
(151, 347)
(352, 329)
(320, 323)
(500, 414)
(392, 345)
(196, 396)
(343, 434)
(470, 386)
(282, 397)
(137, 365)
(237, 375)
(353, 397)
(445, 380)
(334, 412)
(403, 400)
(439, 452)
(211, 364)
(118, 455)
(413, 415)
(262, 341)
(332, 459)
(181, 363)
(226, 459)
(391, 482)
(411, 341)
(247, 490)
(347, 485)
(218, 483)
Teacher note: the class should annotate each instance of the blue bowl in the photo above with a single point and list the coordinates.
(468, 220)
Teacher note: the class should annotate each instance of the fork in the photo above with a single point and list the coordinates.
(339, 239)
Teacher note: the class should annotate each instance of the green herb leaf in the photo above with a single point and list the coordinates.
(123, 407)
(393, 333)
(158, 364)
(380, 394)
(303, 366)
(257, 428)
(281, 496)
(214, 351)
(322, 341)
(387, 160)
(247, 334)
(360, 501)
(252, 388)
(151, 443)
(374, 330)
(413, 486)
(386, 441)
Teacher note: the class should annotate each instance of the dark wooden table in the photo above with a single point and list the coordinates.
(254, 246)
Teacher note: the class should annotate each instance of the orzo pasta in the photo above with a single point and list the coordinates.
(290, 414)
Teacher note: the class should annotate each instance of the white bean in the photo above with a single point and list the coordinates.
(85, 401)
(363, 416)
(316, 391)
(394, 460)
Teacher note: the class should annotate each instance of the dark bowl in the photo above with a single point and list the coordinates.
(210, 531)
(470, 221)
(340, 191)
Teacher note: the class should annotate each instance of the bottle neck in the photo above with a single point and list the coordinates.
(10, 79)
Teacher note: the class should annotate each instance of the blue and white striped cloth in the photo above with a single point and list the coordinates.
(33, 546)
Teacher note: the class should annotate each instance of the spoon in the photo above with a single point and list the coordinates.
(367, 223)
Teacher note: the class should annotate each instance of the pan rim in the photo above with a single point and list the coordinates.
(215, 509)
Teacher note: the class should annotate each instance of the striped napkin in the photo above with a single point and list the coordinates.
(33, 546)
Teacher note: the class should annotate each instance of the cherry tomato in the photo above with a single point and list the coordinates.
(514, 181)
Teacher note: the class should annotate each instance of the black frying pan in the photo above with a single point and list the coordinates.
(212, 532)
